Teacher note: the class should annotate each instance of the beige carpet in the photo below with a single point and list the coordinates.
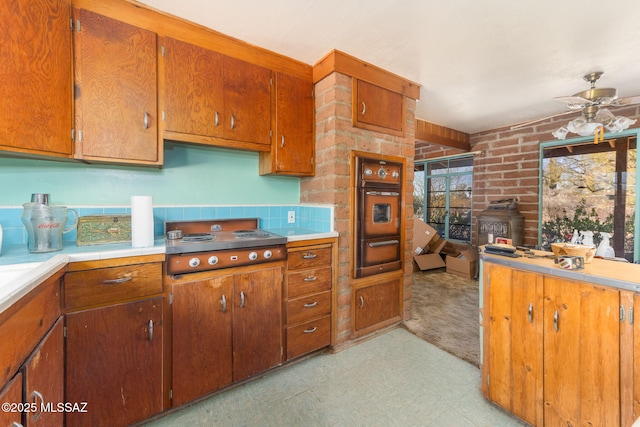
(445, 313)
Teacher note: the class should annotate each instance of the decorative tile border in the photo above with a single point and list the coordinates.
(311, 217)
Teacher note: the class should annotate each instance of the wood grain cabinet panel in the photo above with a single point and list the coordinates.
(378, 109)
(11, 393)
(43, 375)
(554, 353)
(292, 149)
(376, 305)
(114, 363)
(36, 113)
(213, 99)
(116, 91)
(202, 338)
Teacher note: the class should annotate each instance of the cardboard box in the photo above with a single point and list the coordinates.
(429, 261)
(423, 234)
(436, 245)
(463, 265)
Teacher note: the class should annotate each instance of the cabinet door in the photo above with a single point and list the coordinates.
(114, 362)
(293, 148)
(193, 89)
(257, 322)
(35, 77)
(247, 102)
(377, 108)
(378, 304)
(11, 393)
(581, 354)
(515, 341)
(44, 379)
(202, 314)
(116, 95)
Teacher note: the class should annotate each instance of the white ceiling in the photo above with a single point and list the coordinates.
(481, 64)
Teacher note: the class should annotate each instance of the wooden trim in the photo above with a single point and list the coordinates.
(164, 24)
(436, 134)
(354, 67)
(114, 262)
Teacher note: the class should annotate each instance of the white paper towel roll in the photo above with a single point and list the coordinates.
(141, 221)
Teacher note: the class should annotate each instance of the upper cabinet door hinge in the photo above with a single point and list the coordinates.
(64, 331)
(162, 52)
(78, 25)
(630, 315)
(170, 299)
(71, 24)
(80, 136)
(621, 313)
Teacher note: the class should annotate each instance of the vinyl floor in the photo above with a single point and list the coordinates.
(395, 379)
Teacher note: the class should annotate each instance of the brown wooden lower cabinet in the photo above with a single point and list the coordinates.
(376, 305)
(226, 327)
(11, 393)
(554, 348)
(114, 363)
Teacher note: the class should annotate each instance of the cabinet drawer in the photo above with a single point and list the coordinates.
(308, 258)
(308, 337)
(110, 285)
(301, 309)
(308, 282)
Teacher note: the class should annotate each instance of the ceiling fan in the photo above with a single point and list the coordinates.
(594, 116)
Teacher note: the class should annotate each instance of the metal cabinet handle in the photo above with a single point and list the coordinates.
(631, 315)
(384, 243)
(146, 120)
(233, 122)
(312, 304)
(241, 299)
(530, 312)
(364, 108)
(282, 143)
(310, 331)
(555, 320)
(216, 120)
(309, 255)
(151, 330)
(16, 424)
(361, 301)
(310, 279)
(223, 302)
(38, 400)
(116, 281)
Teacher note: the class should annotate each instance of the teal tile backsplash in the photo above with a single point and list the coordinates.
(315, 218)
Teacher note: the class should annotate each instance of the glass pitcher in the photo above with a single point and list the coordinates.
(45, 226)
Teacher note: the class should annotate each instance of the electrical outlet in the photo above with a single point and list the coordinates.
(291, 217)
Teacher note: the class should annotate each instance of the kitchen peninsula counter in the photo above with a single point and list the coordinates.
(615, 274)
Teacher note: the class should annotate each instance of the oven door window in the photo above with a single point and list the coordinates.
(381, 213)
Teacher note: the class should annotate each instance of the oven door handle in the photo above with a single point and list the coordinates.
(383, 193)
(383, 243)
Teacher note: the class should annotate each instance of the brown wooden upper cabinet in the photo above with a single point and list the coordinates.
(116, 91)
(293, 149)
(35, 78)
(209, 98)
(378, 109)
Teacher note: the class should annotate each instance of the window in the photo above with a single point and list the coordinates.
(590, 187)
(443, 195)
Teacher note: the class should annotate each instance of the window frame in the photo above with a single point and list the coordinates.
(560, 143)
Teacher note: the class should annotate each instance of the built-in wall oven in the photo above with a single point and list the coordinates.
(378, 242)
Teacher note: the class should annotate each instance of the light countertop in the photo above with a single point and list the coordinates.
(616, 274)
(21, 271)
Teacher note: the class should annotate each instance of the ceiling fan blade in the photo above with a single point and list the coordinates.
(574, 102)
(530, 122)
(628, 100)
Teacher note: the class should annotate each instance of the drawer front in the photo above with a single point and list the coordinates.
(111, 285)
(308, 282)
(308, 337)
(305, 308)
(309, 258)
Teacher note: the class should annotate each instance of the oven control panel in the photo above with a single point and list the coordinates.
(380, 172)
(204, 261)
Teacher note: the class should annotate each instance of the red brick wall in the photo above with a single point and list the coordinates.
(508, 165)
(335, 139)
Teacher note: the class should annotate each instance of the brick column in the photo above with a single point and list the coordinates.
(335, 139)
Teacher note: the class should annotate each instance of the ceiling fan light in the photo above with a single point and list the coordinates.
(582, 127)
(560, 133)
(619, 124)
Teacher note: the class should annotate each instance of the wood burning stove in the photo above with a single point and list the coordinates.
(378, 242)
